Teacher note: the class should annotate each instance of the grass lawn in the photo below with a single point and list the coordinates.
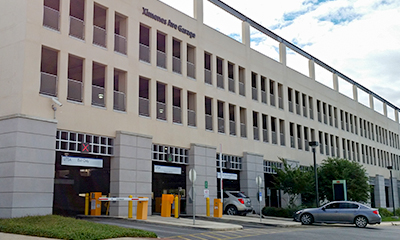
(390, 219)
(53, 226)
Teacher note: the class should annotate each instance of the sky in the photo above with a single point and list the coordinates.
(359, 38)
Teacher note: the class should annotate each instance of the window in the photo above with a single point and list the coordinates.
(208, 112)
(144, 44)
(176, 105)
(191, 63)
(191, 104)
(220, 73)
(120, 34)
(119, 90)
(98, 85)
(144, 97)
(232, 122)
(207, 68)
(48, 69)
(51, 14)
(221, 120)
(254, 92)
(231, 77)
(176, 56)
(256, 130)
(75, 79)
(161, 101)
(242, 81)
(99, 26)
(243, 131)
(161, 50)
(178, 155)
(77, 19)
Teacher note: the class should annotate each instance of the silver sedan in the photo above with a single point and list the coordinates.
(340, 212)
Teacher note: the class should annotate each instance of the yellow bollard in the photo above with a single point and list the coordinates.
(130, 207)
(176, 207)
(87, 204)
(208, 206)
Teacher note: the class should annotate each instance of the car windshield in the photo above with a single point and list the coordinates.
(238, 194)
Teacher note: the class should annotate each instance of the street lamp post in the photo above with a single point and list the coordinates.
(313, 145)
(391, 186)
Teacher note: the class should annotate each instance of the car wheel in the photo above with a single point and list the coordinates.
(306, 219)
(361, 221)
(231, 210)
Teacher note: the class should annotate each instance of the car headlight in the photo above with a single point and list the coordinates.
(298, 212)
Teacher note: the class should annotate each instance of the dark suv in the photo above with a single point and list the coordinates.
(236, 202)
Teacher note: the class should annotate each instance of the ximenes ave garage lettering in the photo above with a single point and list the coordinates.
(164, 21)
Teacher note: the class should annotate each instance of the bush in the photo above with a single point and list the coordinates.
(279, 212)
(398, 212)
(385, 213)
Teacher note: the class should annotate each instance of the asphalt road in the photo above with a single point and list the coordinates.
(257, 232)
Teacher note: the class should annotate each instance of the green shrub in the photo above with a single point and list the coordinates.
(52, 226)
(280, 212)
(384, 212)
(398, 212)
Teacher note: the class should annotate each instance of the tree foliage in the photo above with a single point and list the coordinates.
(342, 169)
(294, 181)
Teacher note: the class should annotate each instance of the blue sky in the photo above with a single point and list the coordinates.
(359, 38)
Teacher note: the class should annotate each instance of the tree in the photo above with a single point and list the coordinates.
(294, 181)
(342, 169)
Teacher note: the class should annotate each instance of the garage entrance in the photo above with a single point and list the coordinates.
(75, 175)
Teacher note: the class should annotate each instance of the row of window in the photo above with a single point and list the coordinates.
(77, 23)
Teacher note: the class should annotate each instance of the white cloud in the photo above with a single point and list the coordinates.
(359, 38)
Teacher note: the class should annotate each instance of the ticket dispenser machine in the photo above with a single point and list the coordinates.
(95, 204)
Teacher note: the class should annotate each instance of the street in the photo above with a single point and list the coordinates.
(256, 232)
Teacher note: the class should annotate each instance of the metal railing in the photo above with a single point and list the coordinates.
(221, 125)
(243, 132)
(207, 76)
(191, 70)
(144, 107)
(298, 109)
(232, 128)
(161, 111)
(51, 18)
(98, 96)
(119, 101)
(209, 121)
(76, 27)
(272, 99)
(256, 133)
(304, 111)
(119, 43)
(242, 89)
(254, 94)
(48, 84)
(299, 143)
(191, 118)
(274, 138)
(282, 139)
(265, 135)
(144, 53)
(161, 59)
(231, 84)
(263, 96)
(99, 36)
(319, 117)
(176, 114)
(306, 146)
(321, 148)
(75, 90)
(176, 65)
(311, 113)
(290, 103)
(292, 142)
(280, 102)
(326, 149)
(220, 81)
(325, 119)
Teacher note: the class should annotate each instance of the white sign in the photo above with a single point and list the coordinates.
(81, 162)
(206, 193)
(259, 181)
(192, 175)
(229, 176)
(166, 169)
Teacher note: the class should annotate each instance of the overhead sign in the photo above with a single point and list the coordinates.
(167, 169)
(168, 22)
(81, 162)
(229, 176)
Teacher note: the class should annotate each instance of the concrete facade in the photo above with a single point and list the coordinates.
(133, 73)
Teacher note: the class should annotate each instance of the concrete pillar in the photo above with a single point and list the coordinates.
(335, 83)
(130, 170)
(355, 93)
(379, 191)
(202, 159)
(282, 54)
(27, 163)
(198, 11)
(246, 34)
(252, 166)
(311, 69)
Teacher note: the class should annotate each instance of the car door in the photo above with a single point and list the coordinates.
(329, 212)
(347, 212)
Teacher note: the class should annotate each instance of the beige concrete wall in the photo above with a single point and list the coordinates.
(25, 71)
